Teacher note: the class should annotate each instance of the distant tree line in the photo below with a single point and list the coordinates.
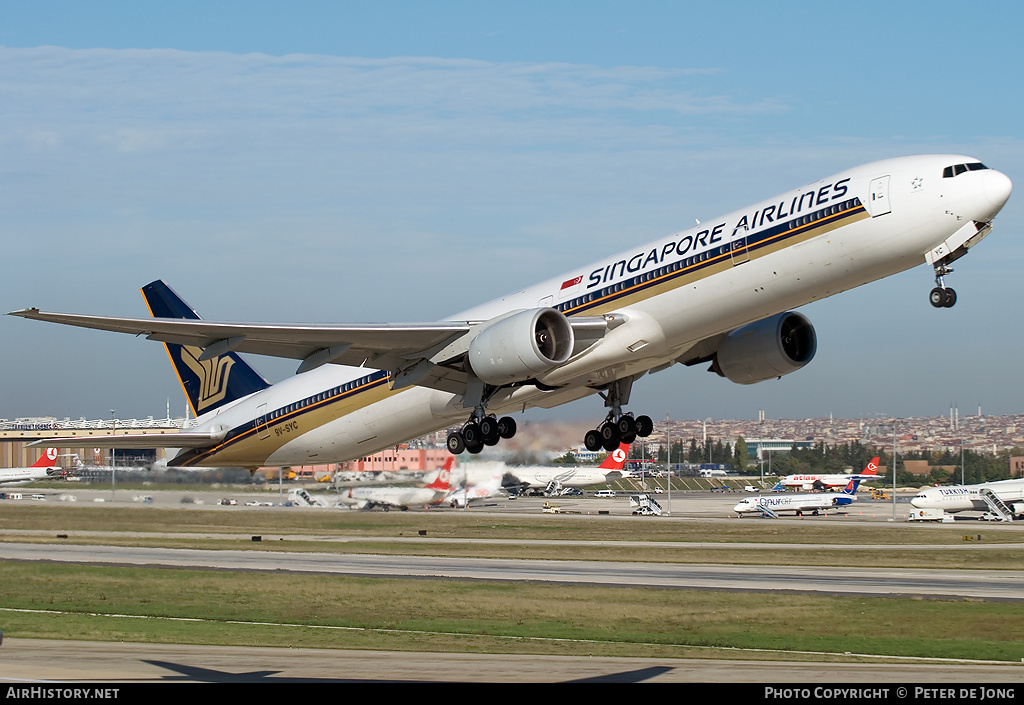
(823, 458)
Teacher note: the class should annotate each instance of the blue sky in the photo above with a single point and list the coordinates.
(400, 161)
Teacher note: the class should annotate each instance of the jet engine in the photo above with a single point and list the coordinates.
(521, 346)
(768, 348)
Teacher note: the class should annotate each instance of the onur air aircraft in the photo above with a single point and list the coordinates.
(818, 482)
(771, 505)
(719, 293)
(985, 497)
(42, 469)
(401, 497)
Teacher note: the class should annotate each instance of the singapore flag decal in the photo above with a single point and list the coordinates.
(570, 286)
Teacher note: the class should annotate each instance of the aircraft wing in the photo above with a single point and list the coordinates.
(350, 344)
(413, 352)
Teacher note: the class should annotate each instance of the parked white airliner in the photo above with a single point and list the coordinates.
(555, 477)
(771, 505)
(42, 469)
(400, 497)
(719, 293)
(814, 481)
(983, 497)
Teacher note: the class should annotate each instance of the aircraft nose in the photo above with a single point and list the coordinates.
(997, 189)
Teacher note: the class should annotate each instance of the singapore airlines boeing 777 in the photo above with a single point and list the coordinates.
(719, 293)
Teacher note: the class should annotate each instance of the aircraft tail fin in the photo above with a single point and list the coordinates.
(208, 383)
(47, 460)
(443, 481)
(872, 467)
(778, 487)
(617, 458)
(851, 486)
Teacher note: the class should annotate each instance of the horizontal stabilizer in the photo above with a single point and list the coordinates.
(187, 439)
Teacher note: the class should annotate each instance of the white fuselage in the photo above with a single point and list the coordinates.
(841, 232)
(391, 496)
(793, 503)
(967, 498)
(22, 476)
(808, 482)
(565, 476)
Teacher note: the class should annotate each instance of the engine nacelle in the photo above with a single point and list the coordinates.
(521, 346)
(768, 348)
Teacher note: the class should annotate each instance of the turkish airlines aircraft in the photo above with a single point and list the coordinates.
(971, 498)
(42, 469)
(818, 482)
(573, 475)
(718, 293)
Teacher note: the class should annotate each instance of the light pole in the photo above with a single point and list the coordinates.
(668, 440)
(894, 469)
(113, 460)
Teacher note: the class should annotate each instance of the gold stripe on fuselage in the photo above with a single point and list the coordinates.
(256, 440)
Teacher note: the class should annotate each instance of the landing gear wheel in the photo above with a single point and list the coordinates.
(626, 426)
(506, 427)
(489, 430)
(489, 426)
(472, 436)
(592, 441)
(950, 299)
(609, 437)
(456, 444)
(644, 426)
(941, 297)
(474, 449)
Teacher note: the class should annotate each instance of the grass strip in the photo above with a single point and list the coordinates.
(295, 611)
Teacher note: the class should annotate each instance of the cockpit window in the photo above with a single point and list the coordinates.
(950, 171)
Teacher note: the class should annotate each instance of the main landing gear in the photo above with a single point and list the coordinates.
(618, 427)
(941, 296)
(614, 431)
(480, 431)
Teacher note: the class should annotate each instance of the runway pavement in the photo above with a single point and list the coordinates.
(976, 584)
(43, 661)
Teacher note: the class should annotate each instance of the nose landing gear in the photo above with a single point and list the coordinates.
(942, 296)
